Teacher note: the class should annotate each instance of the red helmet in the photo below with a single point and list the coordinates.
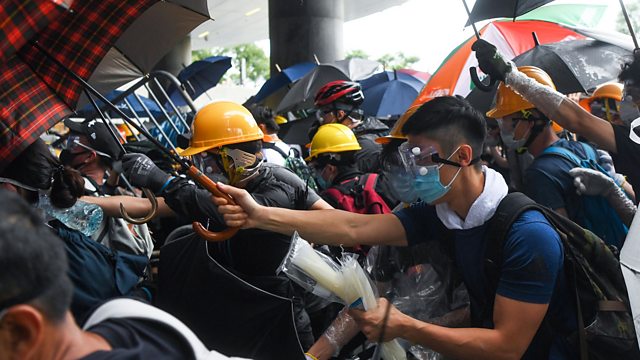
(340, 91)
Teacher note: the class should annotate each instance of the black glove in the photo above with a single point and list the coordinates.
(490, 60)
(142, 172)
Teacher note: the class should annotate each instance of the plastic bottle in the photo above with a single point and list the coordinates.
(82, 216)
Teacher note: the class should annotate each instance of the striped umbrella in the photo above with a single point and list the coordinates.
(512, 38)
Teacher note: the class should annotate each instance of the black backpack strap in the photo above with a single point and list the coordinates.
(509, 210)
(272, 146)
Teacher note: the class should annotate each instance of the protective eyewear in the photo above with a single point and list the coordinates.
(241, 159)
(73, 144)
(417, 160)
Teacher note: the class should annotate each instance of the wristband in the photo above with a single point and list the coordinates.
(310, 357)
(166, 184)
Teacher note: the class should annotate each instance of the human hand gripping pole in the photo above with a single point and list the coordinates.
(491, 62)
(143, 172)
(243, 212)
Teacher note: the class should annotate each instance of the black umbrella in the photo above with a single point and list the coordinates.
(235, 316)
(491, 9)
(297, 131)
(574, 66)
(301, 94)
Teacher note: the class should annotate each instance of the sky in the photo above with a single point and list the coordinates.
(428, 29)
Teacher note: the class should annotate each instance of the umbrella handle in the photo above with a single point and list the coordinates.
(146, 218)
(212, 187)
(478, 83)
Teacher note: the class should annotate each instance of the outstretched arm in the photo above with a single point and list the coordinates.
(331, 227)
(136, 207)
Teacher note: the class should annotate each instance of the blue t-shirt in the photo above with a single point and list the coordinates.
(532, 269)
(547, 181)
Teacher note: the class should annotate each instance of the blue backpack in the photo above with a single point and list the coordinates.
(597, 214)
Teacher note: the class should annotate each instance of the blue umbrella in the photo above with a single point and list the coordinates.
(199, 77)
(386, 76)
(389, 98)
(279, 82)
(137, 108)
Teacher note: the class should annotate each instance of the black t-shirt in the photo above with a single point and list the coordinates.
(138, 339)
(627, 157)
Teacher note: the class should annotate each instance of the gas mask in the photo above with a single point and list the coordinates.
(240, 166)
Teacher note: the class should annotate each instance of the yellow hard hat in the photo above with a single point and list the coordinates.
(396, 130)
(333, 138)
(281, 120)
(221, 123)
(508, 102)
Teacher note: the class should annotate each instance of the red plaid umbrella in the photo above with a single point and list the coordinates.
(22, 19)
(36, 93)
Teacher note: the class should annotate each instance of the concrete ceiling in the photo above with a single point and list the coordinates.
(245, 21)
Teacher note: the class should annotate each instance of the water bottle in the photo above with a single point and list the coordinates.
(82, 216)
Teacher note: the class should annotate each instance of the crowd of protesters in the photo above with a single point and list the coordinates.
(81, 282)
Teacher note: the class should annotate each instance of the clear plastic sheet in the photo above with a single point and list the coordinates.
(347, 281)
(543, 97)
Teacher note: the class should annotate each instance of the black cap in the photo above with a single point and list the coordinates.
(99, 137)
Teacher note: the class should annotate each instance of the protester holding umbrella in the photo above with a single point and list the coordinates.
(228, 133)
(616, 139)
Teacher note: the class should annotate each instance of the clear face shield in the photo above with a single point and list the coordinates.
(208, 164)
(607, 109)
(400, 180)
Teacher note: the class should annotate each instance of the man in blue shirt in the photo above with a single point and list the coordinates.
(444, 142)
(547, 180)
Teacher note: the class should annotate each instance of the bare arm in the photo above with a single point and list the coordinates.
(516, 323)
(331, 227)
(321, 205)
(136, 207)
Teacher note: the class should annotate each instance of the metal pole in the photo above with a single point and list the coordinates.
(473, 24)
(173, 106)
(629, 25)
(115, 136)
(155, 122)
(135, 114)
(155, 98)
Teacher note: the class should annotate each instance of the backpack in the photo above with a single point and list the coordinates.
(605, 324)
(358, 195)
(295, 163)
(599, 216)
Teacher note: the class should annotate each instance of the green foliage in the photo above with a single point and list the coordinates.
(633, 9)
(390, 61)
(357, 54)
(256, 62)
(200, 54)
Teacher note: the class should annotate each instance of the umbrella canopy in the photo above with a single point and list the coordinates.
(386, 76)
(22, 19)
(88, 110)
(422, 75)
(235, 316)
(491, 9)
(390, 98)
(511, 38)
(297, 131)
(199, 77)
(578, 65)
(154, 33)
(274, 89)
(358, 69)
(302, 93)
(36, 92)
(574, 66)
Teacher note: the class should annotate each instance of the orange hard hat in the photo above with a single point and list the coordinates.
(396, 130)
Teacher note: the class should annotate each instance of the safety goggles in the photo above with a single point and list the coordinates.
(74, 146)
(605, 108)
(416, 160)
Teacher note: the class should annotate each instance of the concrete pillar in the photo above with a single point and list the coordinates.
(298, 29)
